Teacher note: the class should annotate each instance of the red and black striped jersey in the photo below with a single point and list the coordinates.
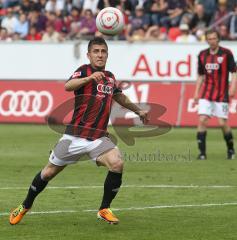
(92, 104)
(216, 69)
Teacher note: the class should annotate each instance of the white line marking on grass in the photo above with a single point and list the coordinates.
(125, 186)
(169, 206)
(134, 208)
(43, 212)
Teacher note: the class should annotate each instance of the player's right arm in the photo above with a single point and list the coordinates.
(76, 83)
(197, 88)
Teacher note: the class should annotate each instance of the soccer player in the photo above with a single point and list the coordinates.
(94, 90)
(214, 66)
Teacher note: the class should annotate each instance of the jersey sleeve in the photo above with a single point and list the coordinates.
(231, 63)
(116, 88)
(79, 73)
(201, 70)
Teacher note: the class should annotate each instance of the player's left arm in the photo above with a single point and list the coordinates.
(233, 69)
(233, 85)
(124, 101)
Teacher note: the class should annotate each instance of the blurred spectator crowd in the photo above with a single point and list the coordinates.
(146, 20)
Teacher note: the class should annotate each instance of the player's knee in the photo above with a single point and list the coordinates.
(117, 166)
(203, 121)
(223, 124)
(47, 174)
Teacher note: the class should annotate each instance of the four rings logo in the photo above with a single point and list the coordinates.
(212, 66)
(25, 103)
(105, 89)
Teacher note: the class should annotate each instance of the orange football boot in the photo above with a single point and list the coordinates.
(17, 214)
(107, 215)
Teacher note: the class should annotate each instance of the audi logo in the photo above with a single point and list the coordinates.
(212, 66)
(105, 89)
(25, 103)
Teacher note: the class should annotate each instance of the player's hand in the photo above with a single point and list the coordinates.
(97, 76)
(143, 116)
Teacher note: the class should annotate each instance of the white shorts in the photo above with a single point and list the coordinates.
(70, 149)
(210, 108)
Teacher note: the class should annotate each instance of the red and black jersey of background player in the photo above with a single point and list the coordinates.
(216, 68)
(92, 105)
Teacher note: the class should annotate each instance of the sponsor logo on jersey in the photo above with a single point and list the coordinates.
(104, 89)
(76, 74)
(212, 66)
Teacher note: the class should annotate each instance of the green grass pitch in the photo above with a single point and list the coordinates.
(170, 196)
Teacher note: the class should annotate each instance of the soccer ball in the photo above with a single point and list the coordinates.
(110, 21)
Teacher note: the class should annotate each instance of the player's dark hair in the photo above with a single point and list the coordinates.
(97, 41)
(208, 32)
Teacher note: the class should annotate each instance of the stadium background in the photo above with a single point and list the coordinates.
(33, 76)
(156, 52)
(166, 192)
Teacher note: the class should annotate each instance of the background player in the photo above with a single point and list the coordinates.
(94, 90)
(214, 65)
